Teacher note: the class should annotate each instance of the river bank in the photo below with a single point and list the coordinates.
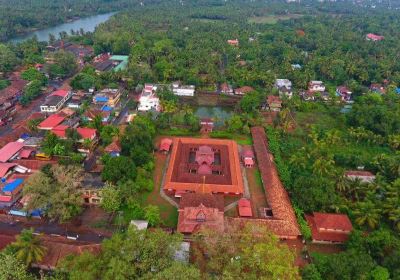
(88, 24)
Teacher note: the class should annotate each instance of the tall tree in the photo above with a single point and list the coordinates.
(28, 247)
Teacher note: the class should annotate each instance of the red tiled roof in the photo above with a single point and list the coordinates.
(324, 236)
(275, 193)
(200, 210)
(51, 122)
(375, 37)
(332, 221)
(86, 133)
(273, 99)
(113, 147)
(248, 161)
(165, 144)
(25, 153)
(247, 152)
(9, 150)
(59, 130)
(359, 173)
(5, 167)
(245, 208)
(243, 90)
(60, 92)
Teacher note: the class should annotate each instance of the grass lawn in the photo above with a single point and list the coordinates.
(239, 138)
(257, 194)
(173, 131)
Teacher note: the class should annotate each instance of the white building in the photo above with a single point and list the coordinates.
(148, 100)
(284, 87)
(316, 86)
(182, 90)
(55, 101)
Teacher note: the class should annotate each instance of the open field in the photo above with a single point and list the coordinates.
(272, 19)
(257, 194)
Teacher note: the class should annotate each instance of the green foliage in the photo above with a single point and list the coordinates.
(12, 268)
(31, 74)
(117, 169)
(64, 65)
(304, 228)
(56, 191)
(111, 198)
(152, 215)
(4, 84)
(8, 59)
(130, 255)
(31, 91)
(251, 102)
(28, 248)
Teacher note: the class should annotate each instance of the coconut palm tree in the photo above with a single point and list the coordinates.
(367, 213)
(28, 247)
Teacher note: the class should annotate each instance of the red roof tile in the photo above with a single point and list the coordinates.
(115, 146)
(60, 92)
(325, 236)
(332, 221)
(25, 153)
(275, 193)
(165, 144)
(9, 150)
(245, 208)
(86, 133)
(5, 167)
(51, 122)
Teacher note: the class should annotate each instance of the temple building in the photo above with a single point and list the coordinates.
(204, 166)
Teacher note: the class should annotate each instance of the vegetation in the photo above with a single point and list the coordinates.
(28, 248)
(56, 190)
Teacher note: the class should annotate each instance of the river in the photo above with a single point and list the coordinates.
(88, 24)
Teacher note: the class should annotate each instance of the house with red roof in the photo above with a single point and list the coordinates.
(165, 145)
(226, 88)
(244, 206)
(329, 228)
(10, 151)
(51, 122)
(55, 101)
(234, 42)
(373, 37)
(273, 104)
(363, 176)
(84, 132)
(344, 93)
(114, 149)
(198, 210)
(243, 90)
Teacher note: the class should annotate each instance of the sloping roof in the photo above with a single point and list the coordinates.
(245, 208)
(9, 150)
(5, 167)
(61, 92)
(324, 236)
(192, 219)
(332, 221)
(5, 240)
(25, 153)
(208, 200)
(165, 144)
(375, 37)
(275, 193)
(59, 130)
(247, 151)
(113, 147)
(57, 250)
(51, 122)
(86, 133)
(272, 99)
(359, 173)
(245, 89)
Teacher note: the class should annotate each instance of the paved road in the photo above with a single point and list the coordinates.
(49, 229)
